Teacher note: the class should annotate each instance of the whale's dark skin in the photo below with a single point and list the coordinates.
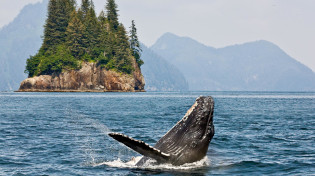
(186, 142)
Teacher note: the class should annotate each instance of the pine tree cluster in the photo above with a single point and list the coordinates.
(73, 35)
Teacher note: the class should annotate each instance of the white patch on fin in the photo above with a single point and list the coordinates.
(140, 146)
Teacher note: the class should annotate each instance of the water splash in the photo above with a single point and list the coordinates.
(132, 164)
(88, 134)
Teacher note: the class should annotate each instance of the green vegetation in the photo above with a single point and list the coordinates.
(74, 35)
(134, 44)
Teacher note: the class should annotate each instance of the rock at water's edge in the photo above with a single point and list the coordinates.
(90, 78)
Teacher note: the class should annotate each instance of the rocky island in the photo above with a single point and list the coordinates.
(85, 53)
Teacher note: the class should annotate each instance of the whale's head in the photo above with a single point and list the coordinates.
(189, 139)
(198, 119)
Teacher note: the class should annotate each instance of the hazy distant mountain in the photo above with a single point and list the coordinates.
(19, 40)
(254, 66)
(159, 74)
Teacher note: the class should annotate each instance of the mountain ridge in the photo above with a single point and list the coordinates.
(253, 66)
(159, 74)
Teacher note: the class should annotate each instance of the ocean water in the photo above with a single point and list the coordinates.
(256, 133)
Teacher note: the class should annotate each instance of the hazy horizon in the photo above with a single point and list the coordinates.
(286, 23)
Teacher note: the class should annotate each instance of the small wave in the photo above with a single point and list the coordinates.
(132, 165)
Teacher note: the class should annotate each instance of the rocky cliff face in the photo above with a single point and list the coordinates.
(90, 78)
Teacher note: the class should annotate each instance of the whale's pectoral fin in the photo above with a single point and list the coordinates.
(141, 147)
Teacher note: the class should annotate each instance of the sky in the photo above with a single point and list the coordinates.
(290, 24)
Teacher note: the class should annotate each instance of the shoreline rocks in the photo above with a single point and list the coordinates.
(90, 78)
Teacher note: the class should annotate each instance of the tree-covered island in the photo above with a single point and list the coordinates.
(75, 35)
(83, 52)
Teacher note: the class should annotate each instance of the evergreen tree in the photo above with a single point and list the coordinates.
(59, 12)
(85, 7)
(103, 27)
(103, 33)
(110, 40)
(64, 9)
(112, 15)
(134, 44)
(93, 30)
(77, 41)
(102, 20)
(123, 60)
(70, 6)
(50, 27)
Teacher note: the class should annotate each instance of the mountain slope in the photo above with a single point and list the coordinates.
(254, 66)
(19, 40)
(161, 75)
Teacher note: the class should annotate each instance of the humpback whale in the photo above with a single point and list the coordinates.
(186, 142)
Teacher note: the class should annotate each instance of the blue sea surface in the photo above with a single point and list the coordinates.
(256, 133)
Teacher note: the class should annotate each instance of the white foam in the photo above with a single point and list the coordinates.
(132, 164)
